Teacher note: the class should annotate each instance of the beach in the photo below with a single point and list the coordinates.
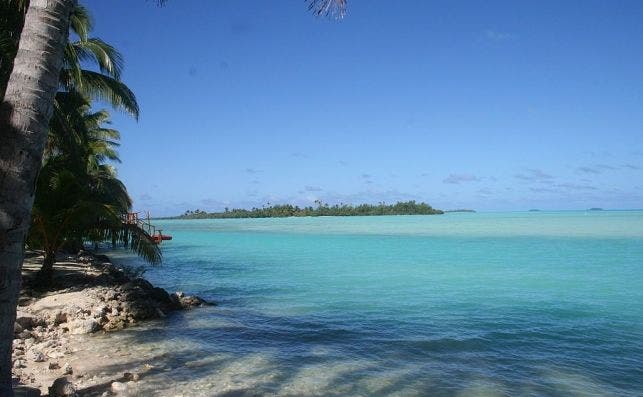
(56, 329)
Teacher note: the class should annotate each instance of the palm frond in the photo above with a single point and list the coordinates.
(328, 8)
(81, 21)
(98, 86)
(95, 50)
(143, 245)
(97, 118)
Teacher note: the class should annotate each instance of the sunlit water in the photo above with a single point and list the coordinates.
(534, 304)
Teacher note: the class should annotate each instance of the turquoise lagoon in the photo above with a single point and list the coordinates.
(461, 304)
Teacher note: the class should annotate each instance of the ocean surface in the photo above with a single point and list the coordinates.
(461, 304)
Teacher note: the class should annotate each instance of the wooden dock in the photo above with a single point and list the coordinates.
(150, 231)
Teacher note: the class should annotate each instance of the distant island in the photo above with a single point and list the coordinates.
(595, 209)
(322, 209)
(534, 210)
(460, 210)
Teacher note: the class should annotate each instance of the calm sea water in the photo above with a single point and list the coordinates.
(484, 304)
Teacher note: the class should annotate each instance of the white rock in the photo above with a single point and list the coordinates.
(87, 326)
(55, 354)
(19, 363)
(59, 317)
(99, 311)
(119, 387)
(38, 356)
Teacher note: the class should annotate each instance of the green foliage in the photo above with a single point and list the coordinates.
(78, 196)
(322, 209)
(81, 50)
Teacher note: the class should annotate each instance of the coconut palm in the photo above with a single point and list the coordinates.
(78, 196)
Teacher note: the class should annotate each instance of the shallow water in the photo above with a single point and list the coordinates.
(534, 304)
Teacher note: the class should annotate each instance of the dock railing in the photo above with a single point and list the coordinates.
(132, 218)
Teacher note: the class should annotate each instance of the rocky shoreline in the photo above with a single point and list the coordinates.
(89, 295)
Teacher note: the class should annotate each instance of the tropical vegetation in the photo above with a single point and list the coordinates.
(322, 209)
(78, 197)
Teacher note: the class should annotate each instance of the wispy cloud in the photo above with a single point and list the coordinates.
(496, 36)
(534, 175)
(631, 167)
(299, 155)
(574, 186)
(543, 190)
(212, 204)
(600, 154)
(252, 171)
(456, 179)
(595, 169)
(485, 191)
(145, 197)
(587, 170)
(563, 188)
(313, 189)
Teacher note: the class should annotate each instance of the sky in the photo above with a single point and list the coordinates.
(489, 105)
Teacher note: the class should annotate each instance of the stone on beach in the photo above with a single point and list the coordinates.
(62, 387)
(83, 326)
(118, 387)
(105, 300)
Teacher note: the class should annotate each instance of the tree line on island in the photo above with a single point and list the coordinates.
(322, 209)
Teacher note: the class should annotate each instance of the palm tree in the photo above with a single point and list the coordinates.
(78, 82)
(78, 196)
(27, 106)
(24, 119)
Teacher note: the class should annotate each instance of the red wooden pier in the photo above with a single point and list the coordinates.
(152, 233)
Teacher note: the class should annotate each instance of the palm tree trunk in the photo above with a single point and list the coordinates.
(46, 273)
(24, 119)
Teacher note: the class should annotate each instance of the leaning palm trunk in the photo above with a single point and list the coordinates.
(24, 120)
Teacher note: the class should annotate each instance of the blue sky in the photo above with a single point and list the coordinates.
(478, 104)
